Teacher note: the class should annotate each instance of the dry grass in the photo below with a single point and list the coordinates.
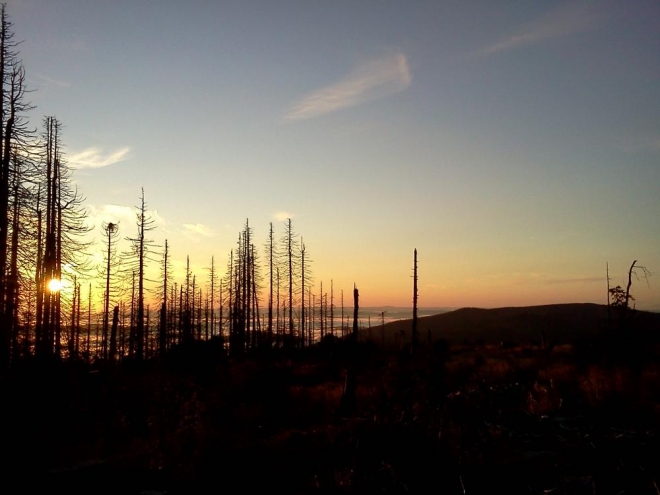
(468, 406)
(494, 370)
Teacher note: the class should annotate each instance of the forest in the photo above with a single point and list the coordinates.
(256, 376)
(111, 310)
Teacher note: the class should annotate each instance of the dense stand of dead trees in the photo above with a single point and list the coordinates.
(42, 240)
(42, 230)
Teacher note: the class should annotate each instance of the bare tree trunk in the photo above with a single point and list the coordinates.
(113, 334)
(321, 315)
(355, 312)
(89, 323)
(302, 293)
(630, 272)
(71, 344)
(220, 316)
(609, 308)
(270, 287)
(110, 230)
(79, 299)
(140, 296)
(348, 402)
(162, 336)
(415, 339)
(332, 308)
(212, 290)
(12, 281)
(289, 236)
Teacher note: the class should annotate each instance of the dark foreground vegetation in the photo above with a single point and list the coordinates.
(563, 417)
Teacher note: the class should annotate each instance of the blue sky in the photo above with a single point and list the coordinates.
(516, 145)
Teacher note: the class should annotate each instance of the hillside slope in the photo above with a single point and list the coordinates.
(559, 322)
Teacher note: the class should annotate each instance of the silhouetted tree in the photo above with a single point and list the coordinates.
(142, 247)
(332, 308)
(185, 307)
(305, 280)
(163, 323)
(14, 136)
(348, 402)
(48, 296)
(213, 278)
(110, 235)
(244, 294)
(288, 242)
(356, 307)
(633, 271)
(619, 298)
(60, 239)
(414, 318)
(20, 197)
(74, 327)
(89, 325)
(270, 247)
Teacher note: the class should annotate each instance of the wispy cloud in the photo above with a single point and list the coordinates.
(375, 79)
(41, 78)
(111, 213)
(124, 216)
(95, 158)
(282, 216)
(559, 22)
(197, 229)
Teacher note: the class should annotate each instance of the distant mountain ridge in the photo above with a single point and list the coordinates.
(558, 322)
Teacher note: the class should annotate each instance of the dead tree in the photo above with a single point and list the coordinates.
(414, 318)
(111, 232)
(633, 271)
(162, 321)
(305, 279)
(13, 135)
(355, 312)
(271, 256)
(113, 340)
(212, 280)
(291, 266)
(348, 402)
(142, 247)
(332, 308)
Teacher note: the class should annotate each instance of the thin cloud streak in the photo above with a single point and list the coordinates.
(124, 216)
(45, 79)
(557, 23)
(376, 79)
(94, 158)
(198, 229)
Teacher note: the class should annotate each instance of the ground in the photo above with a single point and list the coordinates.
(571, 418)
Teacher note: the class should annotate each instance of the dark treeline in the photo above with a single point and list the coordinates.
(42, 225)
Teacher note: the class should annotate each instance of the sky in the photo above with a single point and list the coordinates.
(515, 145)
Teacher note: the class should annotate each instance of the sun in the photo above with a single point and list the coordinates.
(54, 285)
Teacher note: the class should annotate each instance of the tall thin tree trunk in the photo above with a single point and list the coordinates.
(270, 287)
(89, 323)
(414, 319)
(630, 272)
(113, 338)
(355, 312)
(290, 260)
